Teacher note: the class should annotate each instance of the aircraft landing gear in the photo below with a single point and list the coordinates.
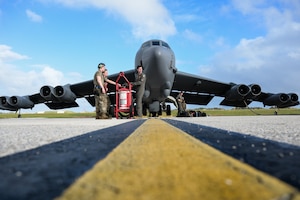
(19, 114)
(154, 114)
(168, 110)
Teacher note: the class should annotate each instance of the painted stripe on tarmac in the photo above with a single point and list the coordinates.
(277, 159)
(45, 172)
(159, 161)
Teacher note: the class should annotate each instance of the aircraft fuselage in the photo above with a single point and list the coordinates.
(158, 61)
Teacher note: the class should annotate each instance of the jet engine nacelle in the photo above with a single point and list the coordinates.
(293, 101)
(4, 104)
(20, 102)
(64, 94)
(47, 93)
(237, 92)
(276, 99)
(255, 90)
(3, 100)
(293, 97)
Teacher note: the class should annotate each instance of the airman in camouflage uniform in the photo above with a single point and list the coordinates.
(181, 103)
(100, 93)
(139, 84)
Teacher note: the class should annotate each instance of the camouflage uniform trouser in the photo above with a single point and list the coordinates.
(108, 104)
(101, 104)
(181, 106)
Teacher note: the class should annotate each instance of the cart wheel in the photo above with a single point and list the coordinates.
(123, 115)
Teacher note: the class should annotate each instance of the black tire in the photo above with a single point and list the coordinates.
(144, 110)
(160, 110)
(168, 110)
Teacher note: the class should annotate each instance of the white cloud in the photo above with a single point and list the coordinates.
(33, 16)
(187, 18)
(248, 6)
(6, 54)
(271, 59)
(220, 42)
(190, 35)
(149, 18)
(48, 75)
(27, 80)
(21, 81)
(17, 81)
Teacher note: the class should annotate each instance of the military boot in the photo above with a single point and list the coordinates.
(104, 116)
(98, 116)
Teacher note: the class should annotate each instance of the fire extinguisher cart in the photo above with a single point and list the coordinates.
(124, 98)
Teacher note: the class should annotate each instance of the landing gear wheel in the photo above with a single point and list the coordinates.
(160, 111)
(144, 110)
(168, 110)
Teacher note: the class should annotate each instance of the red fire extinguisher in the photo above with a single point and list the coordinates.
(124, 97)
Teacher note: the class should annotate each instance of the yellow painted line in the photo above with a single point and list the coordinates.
(159, 161)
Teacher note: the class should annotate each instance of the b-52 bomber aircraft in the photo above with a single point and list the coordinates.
(164, 82)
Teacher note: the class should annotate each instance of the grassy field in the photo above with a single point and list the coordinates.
(50, 114)
(209, 112)
(249, 112)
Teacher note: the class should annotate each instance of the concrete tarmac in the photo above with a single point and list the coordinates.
(46, 156)
(17, 135)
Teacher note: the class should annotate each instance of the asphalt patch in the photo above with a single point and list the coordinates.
(280, 160)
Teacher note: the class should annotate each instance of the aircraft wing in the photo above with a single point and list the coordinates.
(281, 100)
(59, 97)
(192, 83)
(200, 90)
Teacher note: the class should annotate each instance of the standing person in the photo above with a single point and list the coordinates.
(100, 92)
(139, 84)
(181, 103)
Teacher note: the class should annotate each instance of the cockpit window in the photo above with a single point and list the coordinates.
(155, 43)
(146, 44)
(165, 45)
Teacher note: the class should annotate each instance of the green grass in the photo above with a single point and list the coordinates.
(252, 112)
(247, 112)
(50, 114)
(210, 112)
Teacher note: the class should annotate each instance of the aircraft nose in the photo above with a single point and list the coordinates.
(159, 57)
(157, 53)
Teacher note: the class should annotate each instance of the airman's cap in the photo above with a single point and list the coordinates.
(101, 65)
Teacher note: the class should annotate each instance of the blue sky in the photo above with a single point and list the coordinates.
(52, 42)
